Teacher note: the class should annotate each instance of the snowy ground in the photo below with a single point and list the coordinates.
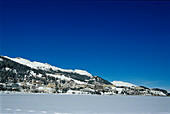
(82, 104)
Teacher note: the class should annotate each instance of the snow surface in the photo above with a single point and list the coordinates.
(120, 83)
(82, 72)
(6, 68)
(82, 104)
(1, 59)
(46, 66)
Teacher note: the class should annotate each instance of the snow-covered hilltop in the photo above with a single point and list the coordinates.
(125, 84)
(82, 72)
(46, 66)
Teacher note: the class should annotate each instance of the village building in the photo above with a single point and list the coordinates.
(44, 89)
(87, 90)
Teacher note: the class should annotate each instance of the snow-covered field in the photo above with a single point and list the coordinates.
(82, 104)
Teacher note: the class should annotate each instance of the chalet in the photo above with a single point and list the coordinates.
(81, 85)
(51, 85)
(139, 88)
(46, 89)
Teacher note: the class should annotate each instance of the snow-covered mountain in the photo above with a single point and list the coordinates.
(46, 66)
(18, 68)
(124, 84)
(18, 74)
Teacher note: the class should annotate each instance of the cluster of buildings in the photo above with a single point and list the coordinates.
(70, 87)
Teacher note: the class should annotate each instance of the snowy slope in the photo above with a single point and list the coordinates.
(45, 66)
(1, 59)
(125, 84)
(62, 77)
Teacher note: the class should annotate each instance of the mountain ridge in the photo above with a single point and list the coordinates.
(18, 74)
(45, 67)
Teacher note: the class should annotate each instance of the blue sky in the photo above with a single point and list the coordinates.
(126, 40)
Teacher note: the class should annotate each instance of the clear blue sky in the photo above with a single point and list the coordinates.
(126, 41)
